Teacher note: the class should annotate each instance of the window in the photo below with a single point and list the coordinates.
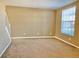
(68, 21)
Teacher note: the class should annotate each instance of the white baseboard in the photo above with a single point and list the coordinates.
(6, 47)
(67, 42)
(32, 37)
(46, 37)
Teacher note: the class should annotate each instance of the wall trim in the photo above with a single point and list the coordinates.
(46, 37)
(6, 47)
(32, 37)
(67, 42)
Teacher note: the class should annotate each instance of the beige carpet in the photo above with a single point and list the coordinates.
(29, 48)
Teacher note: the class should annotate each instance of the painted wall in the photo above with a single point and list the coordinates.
(77, 21)
(31, 22)
(4, 30)
(74, 39)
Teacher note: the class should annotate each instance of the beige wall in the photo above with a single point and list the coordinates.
(77, 20)
(31, 22)
(75, 39)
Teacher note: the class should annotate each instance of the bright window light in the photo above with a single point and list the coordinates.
(68, 21)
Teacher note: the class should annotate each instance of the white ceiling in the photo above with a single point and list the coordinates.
(51, 4)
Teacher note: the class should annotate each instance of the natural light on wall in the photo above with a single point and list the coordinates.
(68, 21)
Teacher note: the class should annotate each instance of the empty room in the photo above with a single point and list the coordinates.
(39, 28)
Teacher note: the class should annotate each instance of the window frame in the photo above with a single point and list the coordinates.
(62, 20)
